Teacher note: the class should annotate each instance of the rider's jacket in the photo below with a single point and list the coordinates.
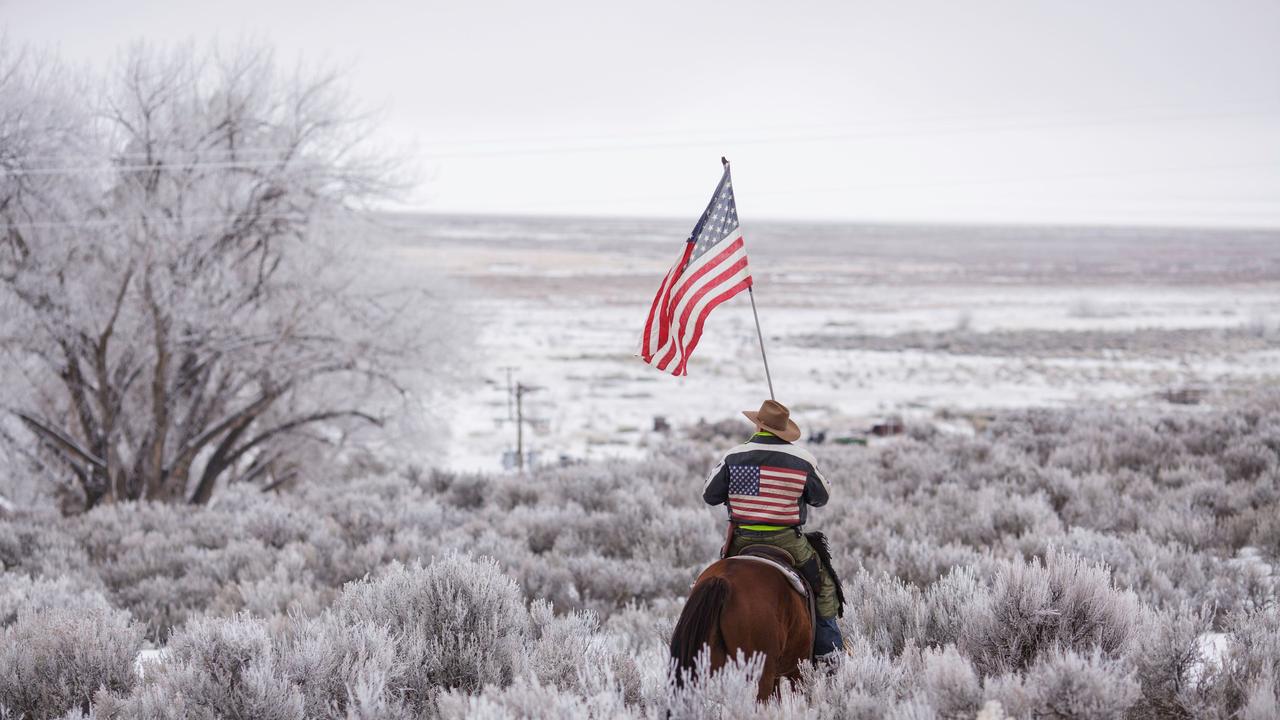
(767, 481)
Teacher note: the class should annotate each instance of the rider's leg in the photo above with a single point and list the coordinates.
(828, 645)
(827, 642)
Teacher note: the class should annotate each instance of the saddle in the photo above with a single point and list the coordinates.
(783, 561)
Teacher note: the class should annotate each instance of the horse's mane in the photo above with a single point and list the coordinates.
(699, 624)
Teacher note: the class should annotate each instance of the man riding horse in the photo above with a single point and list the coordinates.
(768, 482)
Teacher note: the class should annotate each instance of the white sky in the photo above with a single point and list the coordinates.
(1163, 112)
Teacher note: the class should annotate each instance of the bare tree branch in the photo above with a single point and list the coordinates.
(214, 326)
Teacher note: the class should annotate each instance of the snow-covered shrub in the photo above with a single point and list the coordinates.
(950, 684)
(1062, 602)
(167, 584)
(883, 610)
(1262, 701)
(40, 544)
(1264, 532)
(55, 660)
(947, 607)
(1253, 655)
(527, 699)
(862, 686)
(219, 667)
(458, 622)
(728, 693)
(343, 667)
(1175, 680)
(1067, 684)
(1163, 574)
(277, 525)
(569, 652)
(287, 587)
(936, 537)
(20, 593)
(922, 562)
(638, 625)
(1246, 459)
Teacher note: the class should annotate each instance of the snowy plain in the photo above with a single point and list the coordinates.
(561, 303)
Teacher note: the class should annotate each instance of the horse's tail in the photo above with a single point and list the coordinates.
(699, 623)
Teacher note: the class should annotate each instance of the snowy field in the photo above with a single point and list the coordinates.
(862, 323)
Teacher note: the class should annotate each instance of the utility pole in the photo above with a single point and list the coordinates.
(508, 369)
(519, 392)
(520, 427)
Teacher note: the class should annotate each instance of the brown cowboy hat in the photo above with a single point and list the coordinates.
(774, 417)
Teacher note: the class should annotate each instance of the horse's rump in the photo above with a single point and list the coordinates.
(699, 623)
(739, 606)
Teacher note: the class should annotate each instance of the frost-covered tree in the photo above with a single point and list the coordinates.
(179, 300)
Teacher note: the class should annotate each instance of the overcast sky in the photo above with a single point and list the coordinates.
(1164, 112)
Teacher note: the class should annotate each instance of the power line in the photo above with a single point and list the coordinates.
(227, 165)
(116, 222)
(171, 154)
(621, 143)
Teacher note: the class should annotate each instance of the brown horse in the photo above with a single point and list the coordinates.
(744, 605)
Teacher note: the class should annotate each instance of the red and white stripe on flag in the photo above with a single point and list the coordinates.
(711, 269)
(687, 296)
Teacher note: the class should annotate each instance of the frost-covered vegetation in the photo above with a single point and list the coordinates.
(188, 309)
(1062, 563)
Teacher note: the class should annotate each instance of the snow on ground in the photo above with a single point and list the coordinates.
(148, 658)
(562, 302)
(1213, 646)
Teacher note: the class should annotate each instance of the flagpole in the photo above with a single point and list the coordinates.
(759, 335)
(751, 293)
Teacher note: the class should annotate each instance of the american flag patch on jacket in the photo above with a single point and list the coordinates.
(764, 494)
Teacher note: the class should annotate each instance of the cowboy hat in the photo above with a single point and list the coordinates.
(774, 417)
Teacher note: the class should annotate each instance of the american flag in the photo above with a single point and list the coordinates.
(763, 494)
(712, 268)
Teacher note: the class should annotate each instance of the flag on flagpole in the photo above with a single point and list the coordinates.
(711, 269)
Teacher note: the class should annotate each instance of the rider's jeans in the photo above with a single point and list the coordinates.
(827, 637)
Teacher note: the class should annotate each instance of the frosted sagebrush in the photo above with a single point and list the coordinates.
(1067, 684)
(528, 699)
(951, 684)
(221, 667)
(55, 660)
(862, 686)
(1037, 607)
(344, 669)
(19, 593)
(1252, 659)
(1176, 679)
(458, 622)
(1052, 550)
